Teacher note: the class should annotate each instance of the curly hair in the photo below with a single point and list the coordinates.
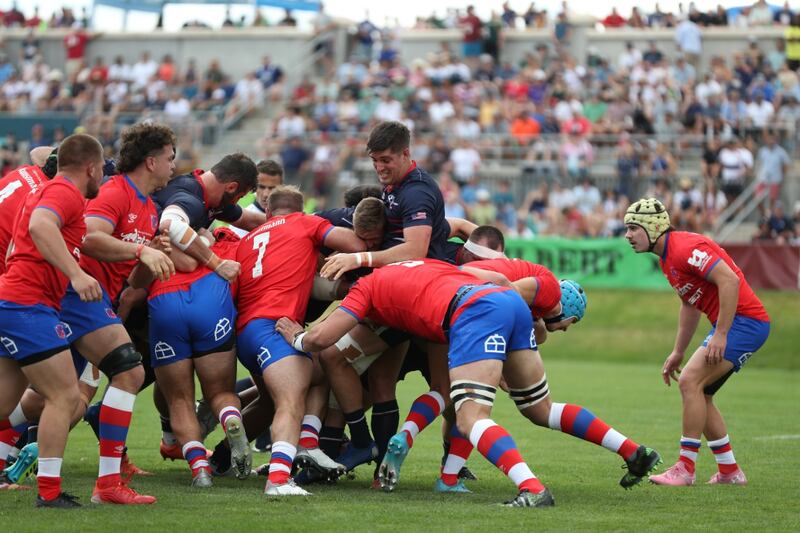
(141, 141)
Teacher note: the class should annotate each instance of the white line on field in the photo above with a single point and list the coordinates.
(778, 437)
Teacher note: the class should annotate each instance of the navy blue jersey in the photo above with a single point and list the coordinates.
(188, 193)
(416, 201)
(341, 217)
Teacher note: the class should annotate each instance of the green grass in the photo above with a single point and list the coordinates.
(610, 363)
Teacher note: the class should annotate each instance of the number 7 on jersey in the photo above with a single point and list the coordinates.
(260, 243)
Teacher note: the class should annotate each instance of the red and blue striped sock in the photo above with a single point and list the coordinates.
(195, 454)
(723, 454)
(8, 438)
(457, 454)
(423, 411)
(582, 423)
(226, 412)
(494, 443)
(309, 432)
(689, 450)
(280, 463)
(115, 419)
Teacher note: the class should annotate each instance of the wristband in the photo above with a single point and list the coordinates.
(297, 344)
(369, 259)
(213, 262)
(359, 259)
(139, 251)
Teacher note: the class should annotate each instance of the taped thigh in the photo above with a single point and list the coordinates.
(463, 390)
(529, 396)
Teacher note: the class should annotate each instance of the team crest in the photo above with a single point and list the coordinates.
(110, 313)
(132, 218)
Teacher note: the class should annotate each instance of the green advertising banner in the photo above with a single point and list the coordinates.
(600, 263)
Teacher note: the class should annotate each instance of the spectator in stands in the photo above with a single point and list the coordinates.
(167, 72)
(295, 159)
(466, 161)
(472, 27)
(177, 108)
(587, 196)
(614, 20)
(504, 201)
(288, 19)
(687, 209)
(772, 164)
(784, 15)
(324, 33)
(453, 206)
(629, 58)
(484, 212)
(562, 29)
(760, 14)
(636, 20)
(143, 71)
(735, 163)
(777, 227)
(792, 37)
(689, 41)
(291, 125)
(75, 49)
(759, 112)
(628, 168)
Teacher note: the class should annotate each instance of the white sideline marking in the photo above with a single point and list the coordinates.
(779, 437)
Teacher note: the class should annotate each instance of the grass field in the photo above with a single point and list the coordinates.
(610, 363)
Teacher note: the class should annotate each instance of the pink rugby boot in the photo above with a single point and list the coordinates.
(676, 476)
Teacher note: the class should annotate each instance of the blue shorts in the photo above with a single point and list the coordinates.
(491, 326)
(193, 322)
(86, 317)
(79, 361)
(745, 337)
(259, 345)
(472, 49)
(31, 333)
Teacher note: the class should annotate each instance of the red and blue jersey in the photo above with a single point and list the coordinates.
(133, 216)
(688, 259)
(29, 279)
(548, 289)
(279, 259)
(412, 296)
(14, 188)
(416, 201)
(225, 247)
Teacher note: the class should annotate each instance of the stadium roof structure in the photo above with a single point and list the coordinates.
(155, 6)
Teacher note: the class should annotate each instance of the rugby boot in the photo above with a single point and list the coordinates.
(315, 458)
(241, 455)
(525, 498)
(459, 487)
(734, 478)
(676, 476)
(643, 461)
(62, 501)
(201, 478)
(351, 457)
(285, 489)
(127, 470)
(389, 471)
(120, 494)
(24, 465)
(170, 451)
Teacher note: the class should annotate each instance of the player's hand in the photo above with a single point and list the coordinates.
(87, 287)
(158, 263)
(672, 367)
(203, 232)
(288, 328)
(715, 349)
(228, 270)
(162, 243)
(336, 265)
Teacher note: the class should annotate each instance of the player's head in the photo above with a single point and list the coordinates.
(354, 195)
(270, 175)
(570, 309)
(50, 165)
(285, 199)
(369, 222)
(150, 148)
(485, 242)
(80, 156)
(389, 148)
(646, 220)
(237, 175)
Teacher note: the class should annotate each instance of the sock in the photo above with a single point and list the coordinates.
(723, 453)
(494, 443)
(359, 432)
(689, 449)
(33, 433)
(309, 432)
(385, 418)
(580, 422)
(280, 463)
(224, 414)
(49, 477)
(195, 454)
(423, 411)
(166, 431)
(115, 419)
(457, 453)
(17, 417)
(92, 417)
(330, 440)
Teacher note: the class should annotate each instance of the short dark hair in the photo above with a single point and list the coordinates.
(237, 168)
(492, 237)
(354, 195)
(79, 149)
(141, 141)
(271, 167)
(285, 197)
(390, 135)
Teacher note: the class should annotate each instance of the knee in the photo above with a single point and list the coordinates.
(123, 366)
(68, 399)
(689, 383)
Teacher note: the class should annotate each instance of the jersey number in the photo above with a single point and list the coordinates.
(260, 243)
(9, 189)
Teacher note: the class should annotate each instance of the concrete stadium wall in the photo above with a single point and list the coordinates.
(240, 50)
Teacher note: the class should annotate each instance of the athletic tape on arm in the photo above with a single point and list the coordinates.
(180, 234)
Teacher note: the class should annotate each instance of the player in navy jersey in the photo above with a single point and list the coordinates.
(270, 175)
(44, 254)
(193, 201)
(121, 234)
(709, 283)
